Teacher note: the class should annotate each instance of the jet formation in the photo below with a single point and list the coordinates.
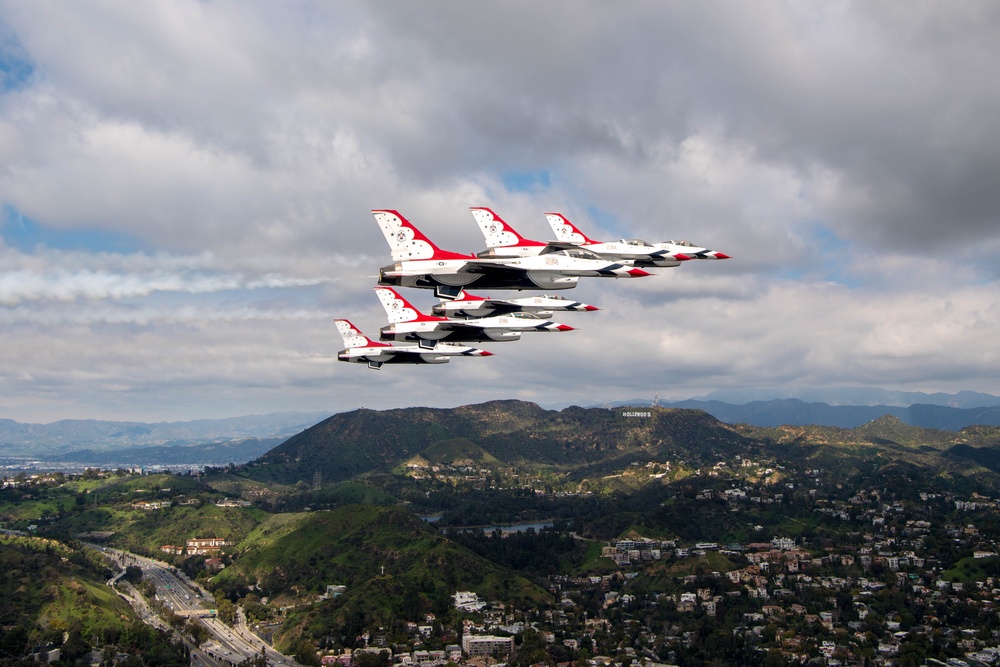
(509, 262)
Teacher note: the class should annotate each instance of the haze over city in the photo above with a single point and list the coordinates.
(187, 188)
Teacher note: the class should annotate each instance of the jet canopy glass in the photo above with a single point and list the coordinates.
(578, 253)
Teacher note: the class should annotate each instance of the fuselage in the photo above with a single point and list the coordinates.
(499, 328)
(690, 250)
(631, 252)
(385, 355)
(554, 270)
(543, 305)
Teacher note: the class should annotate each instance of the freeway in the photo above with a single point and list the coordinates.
(185, 598)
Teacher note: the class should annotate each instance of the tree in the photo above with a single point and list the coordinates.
(199, 633)
(133, 574)
(305, 653)
(225, 610)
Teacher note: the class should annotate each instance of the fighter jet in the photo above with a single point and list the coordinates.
(363, 350)
(420, 263)
(503, 240)
(567, 232)
(406, 323)
(469, 305)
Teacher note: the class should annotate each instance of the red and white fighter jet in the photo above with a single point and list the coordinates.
(420, 263)
(363, 350)
(469, 305)
(503, 240)
(567, 232)
(406, 323)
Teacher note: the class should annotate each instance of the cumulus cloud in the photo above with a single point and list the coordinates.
(845, 154)
(63, 276)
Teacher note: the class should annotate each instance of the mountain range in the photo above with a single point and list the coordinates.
(857, 396)
(61, 438)
(242, 439)
(794, 412)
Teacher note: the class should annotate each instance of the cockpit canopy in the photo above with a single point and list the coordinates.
(575, 252)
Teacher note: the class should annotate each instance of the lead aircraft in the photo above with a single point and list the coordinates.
(567, 232)
(502, 239)
(406, 323)
(467, 305)
(420, 263)
(363, 350)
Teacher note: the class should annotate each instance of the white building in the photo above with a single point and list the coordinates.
(482, 645)
(783, 543)
(468, 601)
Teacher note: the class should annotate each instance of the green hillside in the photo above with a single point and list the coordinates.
(510, 432)
(395, 566)
(456, 452)
(150, 529)
(54, 593)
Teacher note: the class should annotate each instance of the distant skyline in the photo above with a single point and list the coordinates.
(186, 191)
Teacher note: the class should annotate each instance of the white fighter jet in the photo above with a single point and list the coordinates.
(363, 350)
(469, 305)
(420, 263)
(502, 240)
(406, 323)
(567, 232)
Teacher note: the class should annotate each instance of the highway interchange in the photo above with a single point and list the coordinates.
(228, 646)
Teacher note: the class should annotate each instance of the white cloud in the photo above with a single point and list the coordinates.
(69, 276)
(845, 155)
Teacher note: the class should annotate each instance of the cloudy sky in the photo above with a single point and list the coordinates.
(186, 191)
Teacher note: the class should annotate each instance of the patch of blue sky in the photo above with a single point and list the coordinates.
(788, 273)
(527, 181)
(835, 256)
(15, 69)
(608, 222)
(25, 234)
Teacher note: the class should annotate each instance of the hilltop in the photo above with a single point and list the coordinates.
(587, 442)
(515, 433)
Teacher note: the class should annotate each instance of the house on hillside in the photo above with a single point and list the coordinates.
(205, 545)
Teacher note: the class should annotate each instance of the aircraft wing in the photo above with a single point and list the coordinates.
(458, 326)
(492, 269)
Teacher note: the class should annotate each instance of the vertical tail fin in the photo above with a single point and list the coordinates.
(565, 230)
(497, 232)
(406, 241)
(398, 309)
(352, 335)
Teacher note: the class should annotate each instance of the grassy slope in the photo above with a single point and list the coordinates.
(48, 585)
(295, 556)
(174, 525)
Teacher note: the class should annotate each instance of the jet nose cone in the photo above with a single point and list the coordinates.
(485, 353)
(722, 255)
(681, 258)
(638, 273)
(564, 327)
(591, 308)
